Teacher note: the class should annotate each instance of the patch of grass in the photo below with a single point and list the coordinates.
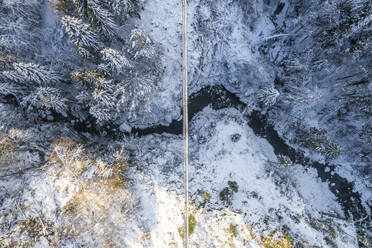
(29, 231)
(277, 240)
(251, 233)
(181, 232)
(145, 237)
(95, 201)
(111, 176)
(71, 206)
(101, 192)
(192, 224)
(33, 227)
(232, 230)
(331, 231)
(22, 244)
(172, 244)
(89, 201)
(330, 242)
(69, 154)
(206, 196)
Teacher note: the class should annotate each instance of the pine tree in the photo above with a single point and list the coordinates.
(102, 18)
(114, 62)
(87, 78)
(104, 97)
(98, 15)
(97, 93)
(26, 10)
(101, 113)
(135, 95)
(120, 7)
(10, 89)
(5, 62)
(20, 23)
(268, 96)
(34, 88)
(142, 45)
(366, 133)
(126, 8)
(23, 73)
(82, 35)
(82, 7)
(51, 98)
(31, 103)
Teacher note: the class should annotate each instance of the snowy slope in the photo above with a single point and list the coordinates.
(269, 197)
(240, 195)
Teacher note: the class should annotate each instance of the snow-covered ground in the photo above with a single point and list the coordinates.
(240, 195)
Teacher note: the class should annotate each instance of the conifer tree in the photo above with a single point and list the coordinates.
(135, 95)
(101, 18)
(126, 8)
(98, 15)
(51, 98)
(268, 96)
(23, 73)
(82, 35)
(141, 45)
(33, 86)
(63, 7)
(104, 97)
(114, 62)
(5, 61)
(87, 78)
(82, 7)
(101, 113)
(20, 27)
(10, 89)
(108, 90)
(97, 93)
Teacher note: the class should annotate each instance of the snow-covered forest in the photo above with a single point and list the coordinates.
(91, 147)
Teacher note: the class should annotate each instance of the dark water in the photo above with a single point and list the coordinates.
(218, 97)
